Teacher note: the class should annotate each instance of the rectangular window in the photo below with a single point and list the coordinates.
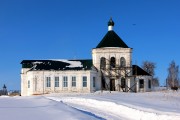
(149, 84)
(28, 83)
(65, 81)
(48, 81)
(56, 81)
(84, 81)
(73, 81)
(94, 81)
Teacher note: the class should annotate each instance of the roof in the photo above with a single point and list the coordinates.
(111, 39)
(56, 64)
(139, 71)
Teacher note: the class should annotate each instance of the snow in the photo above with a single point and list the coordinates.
(72, 63)
(39, 108)
(37, 62)
(163, 105)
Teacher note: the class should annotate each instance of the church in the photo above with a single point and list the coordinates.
(109, 69)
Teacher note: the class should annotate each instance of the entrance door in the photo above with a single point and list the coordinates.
(112, 84)
(123, 82)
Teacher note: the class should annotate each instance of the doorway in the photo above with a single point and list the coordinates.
(123, 84)
(141, 83)
(112, 84)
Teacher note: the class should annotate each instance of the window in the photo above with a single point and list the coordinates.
(103, 63)
(149, 84)
(113, 62)
(141, 82)
(48, 82)
(28, 83)
(94, 81)
(65, 81)
(56, 81)
(84, 81)
(122, 62)
(73, 81)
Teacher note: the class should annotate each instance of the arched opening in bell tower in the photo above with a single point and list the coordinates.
(112, 62)
(103, 63)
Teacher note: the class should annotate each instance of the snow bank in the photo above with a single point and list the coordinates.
(159, 88)
(110, 109)
(3, 96)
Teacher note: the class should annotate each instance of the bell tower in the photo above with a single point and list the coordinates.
(110, 56)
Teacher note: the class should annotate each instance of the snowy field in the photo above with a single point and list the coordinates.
(95, 106)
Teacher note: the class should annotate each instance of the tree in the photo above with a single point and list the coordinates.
(4, 90)
(173, 75)
(155, 81)
(149, 68)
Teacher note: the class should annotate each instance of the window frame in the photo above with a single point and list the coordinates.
(94, 81)
(56, 81)
(29, 83)
(84, 80)
(141, 83)
(65, 81)
(149, 84)
(73, 81)
(103, 63)
(122, 62)
(48, 82)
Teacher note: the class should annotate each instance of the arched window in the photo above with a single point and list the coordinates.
(113, 62)
(103, 63)
(122, 62)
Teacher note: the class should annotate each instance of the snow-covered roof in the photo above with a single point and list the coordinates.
(72, 63)
(57, 64)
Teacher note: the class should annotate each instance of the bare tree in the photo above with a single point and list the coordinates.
(149, 67)
(155, 81)
(173, 75)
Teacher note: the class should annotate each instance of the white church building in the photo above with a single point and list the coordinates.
(109, 69)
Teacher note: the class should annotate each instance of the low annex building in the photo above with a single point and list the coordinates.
(109, 69)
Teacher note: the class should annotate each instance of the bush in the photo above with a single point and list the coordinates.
(174, 88)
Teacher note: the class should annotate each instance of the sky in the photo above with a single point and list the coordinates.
(69, 29)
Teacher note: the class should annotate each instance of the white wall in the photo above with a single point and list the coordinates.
(146, 83)
(24, 87)
(111, 52)
(38, 82)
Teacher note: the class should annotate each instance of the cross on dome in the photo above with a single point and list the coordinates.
(110, 24)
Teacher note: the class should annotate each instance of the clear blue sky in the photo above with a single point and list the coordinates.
(68, 29)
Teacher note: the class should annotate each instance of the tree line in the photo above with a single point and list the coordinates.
(172, 81)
